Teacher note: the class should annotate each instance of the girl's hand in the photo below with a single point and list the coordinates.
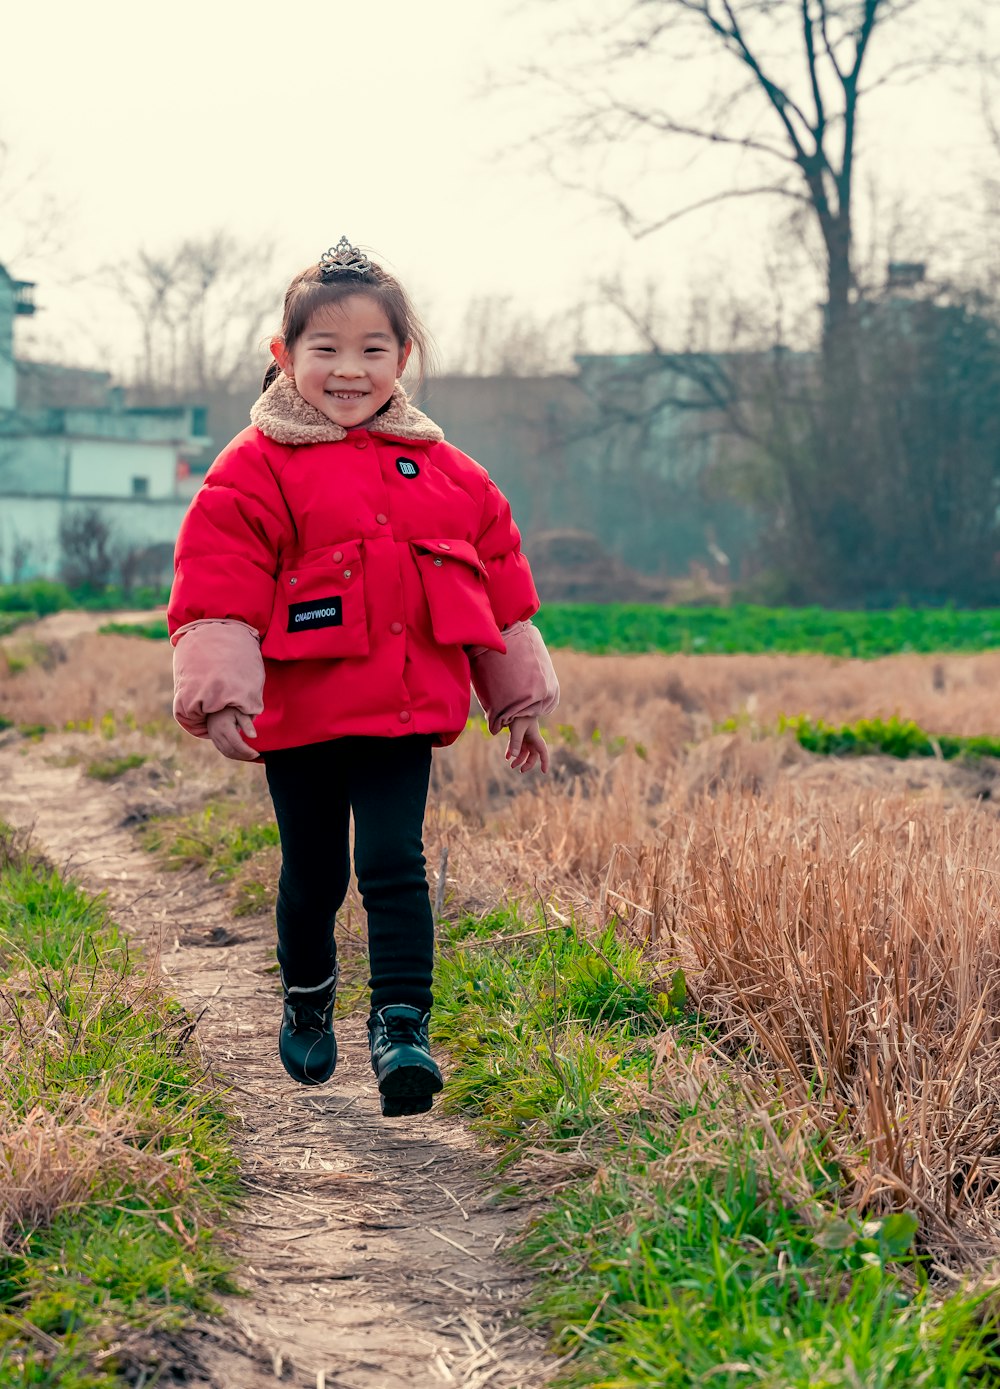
(526, 748)
(224, 729)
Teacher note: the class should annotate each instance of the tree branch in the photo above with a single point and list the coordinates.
(778, 98)
(667, 126)
(828, 46)
(844, 179)
(638, 231)
(810, 40)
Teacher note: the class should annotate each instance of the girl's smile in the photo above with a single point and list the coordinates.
(347, 362)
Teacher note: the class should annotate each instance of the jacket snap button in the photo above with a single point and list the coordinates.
(347, 573)
(439, 561)
(395, 628)
(442, 545)
(293, 581)
(404, 716)
(361, 443)
(381, 519)
(338, 555)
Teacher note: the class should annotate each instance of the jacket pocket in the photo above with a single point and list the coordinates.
(454, 581)
(319, 606)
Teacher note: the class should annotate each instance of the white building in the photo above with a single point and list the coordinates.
(67, 443)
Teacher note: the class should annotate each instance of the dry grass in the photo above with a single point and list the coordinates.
(85, 678)
(854, 948)
(55, 1162)
(837, 921)
(945, 694)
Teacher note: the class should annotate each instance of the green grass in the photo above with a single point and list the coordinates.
(110, 768)
(669, 1253)
(23, 655)
(892, 737)
(89, 1042)
(623, 627)
(35, 598)
(153, 631)
(252, 899)
(706, 1276)
(9, 622)
(110, 597)
(211, 838)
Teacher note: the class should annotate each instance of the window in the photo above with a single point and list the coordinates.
(140, 487)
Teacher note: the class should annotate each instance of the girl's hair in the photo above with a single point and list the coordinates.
(310, 291)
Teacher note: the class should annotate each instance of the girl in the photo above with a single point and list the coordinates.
(339, 578)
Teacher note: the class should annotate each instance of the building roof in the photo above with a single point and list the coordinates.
(49, 386)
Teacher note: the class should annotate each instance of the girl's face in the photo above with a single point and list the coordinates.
(347, 361)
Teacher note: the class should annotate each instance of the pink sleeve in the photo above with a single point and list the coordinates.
(519, 683)
(217, 664)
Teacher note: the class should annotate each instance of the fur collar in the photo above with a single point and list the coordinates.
(285, 417)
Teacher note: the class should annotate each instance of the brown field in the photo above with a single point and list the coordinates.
(837, 920)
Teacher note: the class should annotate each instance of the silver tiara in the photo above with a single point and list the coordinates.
(344, 259)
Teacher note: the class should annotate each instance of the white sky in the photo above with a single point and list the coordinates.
(296, 121)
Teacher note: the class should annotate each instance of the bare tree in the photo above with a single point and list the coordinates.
(497, 338)
(86, 549)
(786, 100)
(201, 307)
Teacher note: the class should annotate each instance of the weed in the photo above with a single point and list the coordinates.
(549, 1024)
(671, 1274)
(9, 622)
(152, 631)
(895, 737)
(109, 768)
(26, 654)
(38, 597)
(252, 899)
(78, 725)
(213, 838)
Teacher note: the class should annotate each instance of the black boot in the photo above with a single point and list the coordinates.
(306, 1043)
(401, 1058)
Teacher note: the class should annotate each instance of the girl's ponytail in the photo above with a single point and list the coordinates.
(270, 376)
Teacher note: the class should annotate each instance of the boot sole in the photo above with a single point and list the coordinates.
(408, 1090)
(395, 1107)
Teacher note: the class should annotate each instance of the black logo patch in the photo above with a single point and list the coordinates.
(321, 612)
(407, 467)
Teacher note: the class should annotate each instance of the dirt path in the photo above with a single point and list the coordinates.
(369, 1250)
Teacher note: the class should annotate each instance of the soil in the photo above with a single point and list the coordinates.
(371, 1251)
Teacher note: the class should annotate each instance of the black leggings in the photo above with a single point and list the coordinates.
(314, 789)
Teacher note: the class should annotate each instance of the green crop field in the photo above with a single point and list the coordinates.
(620, 627)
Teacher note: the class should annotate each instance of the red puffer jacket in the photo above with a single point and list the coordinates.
(366, 561)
